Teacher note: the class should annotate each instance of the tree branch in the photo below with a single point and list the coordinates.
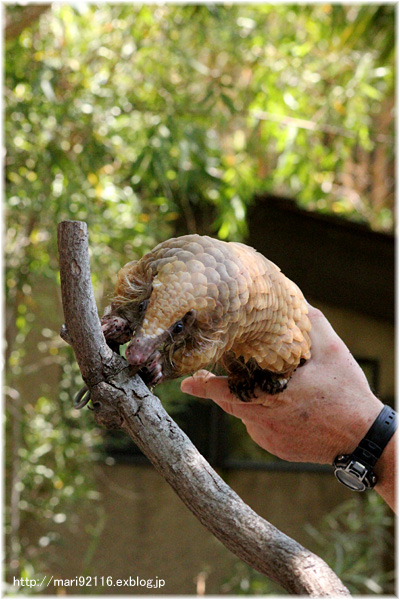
(123, 401)
(25, 17)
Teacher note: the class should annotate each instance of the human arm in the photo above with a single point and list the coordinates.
(326, 410)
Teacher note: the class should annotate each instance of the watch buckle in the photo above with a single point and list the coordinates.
(357, 469)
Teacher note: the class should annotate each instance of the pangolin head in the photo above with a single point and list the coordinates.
(176, 292)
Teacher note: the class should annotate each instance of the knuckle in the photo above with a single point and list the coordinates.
(315, 313)
(334, 347)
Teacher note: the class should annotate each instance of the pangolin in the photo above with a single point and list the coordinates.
(195, 301)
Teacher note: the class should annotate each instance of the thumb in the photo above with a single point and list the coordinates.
(204, 384)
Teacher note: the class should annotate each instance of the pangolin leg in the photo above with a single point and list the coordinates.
(244, 378)
(240, 376)
(116, 329)
(271, 383)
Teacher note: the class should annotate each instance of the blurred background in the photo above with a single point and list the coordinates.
(268, 124)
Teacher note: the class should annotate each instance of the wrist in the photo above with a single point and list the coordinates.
(352, 431)
(372, 461)
(386, 472)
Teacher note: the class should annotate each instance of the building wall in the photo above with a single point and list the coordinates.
(366, 337)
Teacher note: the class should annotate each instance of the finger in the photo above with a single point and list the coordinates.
(204, 384)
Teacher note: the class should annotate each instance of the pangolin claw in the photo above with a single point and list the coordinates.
(151, 372)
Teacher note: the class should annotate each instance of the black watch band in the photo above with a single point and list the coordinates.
(356, 470)
(375, 440)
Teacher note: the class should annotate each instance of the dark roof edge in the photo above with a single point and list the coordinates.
(290, 205)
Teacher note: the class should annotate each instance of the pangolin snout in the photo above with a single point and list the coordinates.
(140, 349)
(135, 356)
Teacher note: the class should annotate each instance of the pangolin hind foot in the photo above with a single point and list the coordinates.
(245, 378)
(195, 301)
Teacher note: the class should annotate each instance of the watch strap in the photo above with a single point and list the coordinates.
(374, 442)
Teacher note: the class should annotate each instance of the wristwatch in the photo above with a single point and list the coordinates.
(355, 470)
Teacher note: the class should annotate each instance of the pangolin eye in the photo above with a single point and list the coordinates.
(142, 306)
(178, 327)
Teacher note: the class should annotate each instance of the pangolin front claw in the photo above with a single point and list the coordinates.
(116, 329)
(152, 372)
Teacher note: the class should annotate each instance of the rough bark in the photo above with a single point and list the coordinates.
(123, 401)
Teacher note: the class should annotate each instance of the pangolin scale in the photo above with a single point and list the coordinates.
(195, 301)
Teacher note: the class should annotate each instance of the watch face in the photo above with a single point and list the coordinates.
(350, 480)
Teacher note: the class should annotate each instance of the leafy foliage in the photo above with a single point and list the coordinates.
(148, 121)
(345, 542)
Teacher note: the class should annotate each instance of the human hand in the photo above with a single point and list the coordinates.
(326, 410)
